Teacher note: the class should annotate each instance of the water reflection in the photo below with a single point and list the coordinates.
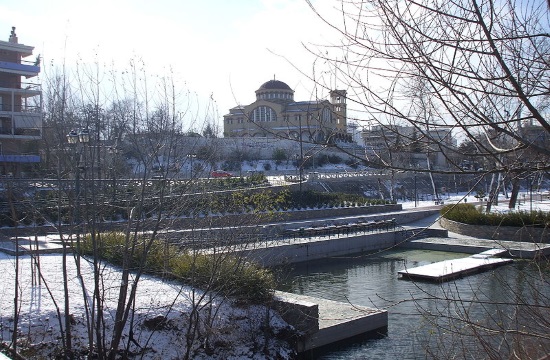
(425, 320)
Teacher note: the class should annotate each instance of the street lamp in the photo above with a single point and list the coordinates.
(74, 138)
(530, 194)
(296, 157)
(113, 152)
(415, 193)
(82, 136)
(191, 156)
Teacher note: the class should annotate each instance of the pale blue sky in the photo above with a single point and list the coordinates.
(216, 47)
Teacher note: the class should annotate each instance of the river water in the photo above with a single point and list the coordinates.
(414, 308)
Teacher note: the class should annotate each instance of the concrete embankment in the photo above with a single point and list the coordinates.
(324, 322)
(505, 233)
(307, 248)
(469, 245)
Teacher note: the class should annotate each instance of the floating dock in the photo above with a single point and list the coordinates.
(451, 269)
(469, 245)
(325, 322)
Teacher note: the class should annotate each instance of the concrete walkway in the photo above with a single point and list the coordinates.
(325, 322)
(32, 245)
(470, 245)
(51, 243)
(454, 268)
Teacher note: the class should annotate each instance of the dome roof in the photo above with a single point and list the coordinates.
(274, 85)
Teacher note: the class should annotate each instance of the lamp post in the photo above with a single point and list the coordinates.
(415, 193)
(301, 152)
(113, 151)
(295, 158)
(74, 138)
(530, 194)
(191, 157)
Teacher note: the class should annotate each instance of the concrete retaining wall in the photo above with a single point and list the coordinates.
(340, 212)
(314, 250)
(526, 234)
(295, 251)
(227, 220)
(282, 216)
(303, 315)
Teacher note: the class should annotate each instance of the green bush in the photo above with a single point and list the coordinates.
(468, 214)
(313, 199)
(354, 164)
(334, 159)
(225, 274)
(279, 155)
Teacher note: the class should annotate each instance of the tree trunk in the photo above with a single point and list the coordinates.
(514, 194)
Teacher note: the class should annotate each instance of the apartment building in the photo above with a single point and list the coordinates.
(408, 146)
(20, 108)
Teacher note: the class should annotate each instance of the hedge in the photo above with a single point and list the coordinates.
(469, 214)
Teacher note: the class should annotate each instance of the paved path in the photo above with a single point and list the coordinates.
(337, 321)
(454, 242)
(52, 243)
(468, 244)
(43, 244)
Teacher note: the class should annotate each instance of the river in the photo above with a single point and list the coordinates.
(487, 300)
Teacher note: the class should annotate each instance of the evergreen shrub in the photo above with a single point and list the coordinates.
(225, 274)
(468, 214)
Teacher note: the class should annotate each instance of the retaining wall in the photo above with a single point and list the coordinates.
(525, 234)
(225, 220)
(314, 249)
(303, 315)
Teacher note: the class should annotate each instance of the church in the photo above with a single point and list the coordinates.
(275, 113)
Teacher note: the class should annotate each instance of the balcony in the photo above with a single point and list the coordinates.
(23, 126)
(19, 108)
(20, 158)
(25, 89)
(25, 68)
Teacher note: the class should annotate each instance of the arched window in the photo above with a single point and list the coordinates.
(263, 114)
(326, 116)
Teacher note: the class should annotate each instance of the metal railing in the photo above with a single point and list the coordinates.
(20, 85)
(20, 108)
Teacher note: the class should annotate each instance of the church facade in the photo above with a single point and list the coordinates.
(275, 113)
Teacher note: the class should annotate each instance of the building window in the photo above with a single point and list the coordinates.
(263, 114)
(326, 115)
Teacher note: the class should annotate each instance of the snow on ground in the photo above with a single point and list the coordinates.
(236, 332)
(526, 201)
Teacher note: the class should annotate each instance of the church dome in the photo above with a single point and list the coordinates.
(274, 85)
(275, 91)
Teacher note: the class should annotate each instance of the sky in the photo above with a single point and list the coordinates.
(219, 49)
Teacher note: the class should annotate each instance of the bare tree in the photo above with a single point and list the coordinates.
(482, 65)
(92, 129)
(480, 68)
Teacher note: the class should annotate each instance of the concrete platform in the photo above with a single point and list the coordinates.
(28, 245)
(469, 245)
(451, 269)
(290, 251)
(326, 322)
